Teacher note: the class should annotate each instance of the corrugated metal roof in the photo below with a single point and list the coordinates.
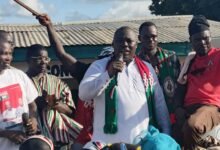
(170, 29)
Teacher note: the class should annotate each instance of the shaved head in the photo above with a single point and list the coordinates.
(125, 42)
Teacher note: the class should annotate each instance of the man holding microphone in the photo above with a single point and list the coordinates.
(15, 86)
(121, 89)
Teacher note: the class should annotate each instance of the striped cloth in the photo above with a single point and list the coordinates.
(57, 126)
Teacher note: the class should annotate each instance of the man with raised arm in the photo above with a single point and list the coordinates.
(84, 110)
(76, 68)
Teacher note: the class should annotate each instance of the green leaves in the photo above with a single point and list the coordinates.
(186, 7)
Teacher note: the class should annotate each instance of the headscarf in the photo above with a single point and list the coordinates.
(198, 24)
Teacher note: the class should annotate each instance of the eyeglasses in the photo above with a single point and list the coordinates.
(41, 58)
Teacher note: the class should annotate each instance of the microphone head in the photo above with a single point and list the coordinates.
(25, 118)
(4, 65)
(121, 57)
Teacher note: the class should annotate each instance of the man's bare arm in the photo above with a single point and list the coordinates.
(66, 59)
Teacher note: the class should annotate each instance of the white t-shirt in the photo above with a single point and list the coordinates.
(132, 109)
(16, 92)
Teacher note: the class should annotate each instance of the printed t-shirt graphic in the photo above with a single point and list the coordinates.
(11, 106)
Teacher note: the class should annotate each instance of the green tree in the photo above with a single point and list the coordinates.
(209, 8)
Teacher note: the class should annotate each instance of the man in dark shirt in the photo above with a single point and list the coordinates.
(84, 110)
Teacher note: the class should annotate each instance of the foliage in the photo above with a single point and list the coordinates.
(209, 8)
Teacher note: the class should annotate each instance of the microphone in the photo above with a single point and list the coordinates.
(25, 118)
(119, 58)
(4, 65)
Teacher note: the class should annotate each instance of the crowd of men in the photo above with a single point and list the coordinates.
(127, 100)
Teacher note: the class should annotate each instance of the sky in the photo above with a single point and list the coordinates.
(73, 10)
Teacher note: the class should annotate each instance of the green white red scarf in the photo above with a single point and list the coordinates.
(167, 68)
(111, 102)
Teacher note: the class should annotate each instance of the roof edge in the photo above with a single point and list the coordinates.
(103, 20)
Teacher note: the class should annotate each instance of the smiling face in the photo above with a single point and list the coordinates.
(201, 42)
(148, 37)
(6, 51)
(125, 42)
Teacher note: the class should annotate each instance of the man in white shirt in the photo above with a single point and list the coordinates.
(124, 113)
(15, 85)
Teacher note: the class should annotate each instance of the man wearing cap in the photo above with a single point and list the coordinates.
(201, 103)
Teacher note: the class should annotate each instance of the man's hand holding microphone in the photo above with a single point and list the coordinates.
(30, 125)
(116, 65)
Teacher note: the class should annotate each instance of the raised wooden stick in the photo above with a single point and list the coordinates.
(27, 7)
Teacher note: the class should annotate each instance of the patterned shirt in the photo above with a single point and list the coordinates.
(55, 125)
(167, 68)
